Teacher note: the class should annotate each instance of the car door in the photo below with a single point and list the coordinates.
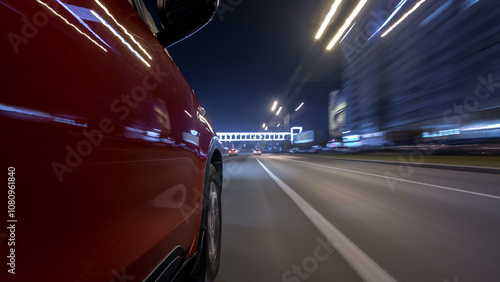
(101, 128)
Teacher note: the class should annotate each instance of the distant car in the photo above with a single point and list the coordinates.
(233, 152)
(314, 149)
(257, 152)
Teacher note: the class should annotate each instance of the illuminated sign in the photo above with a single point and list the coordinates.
(351, 138)
(442, 133)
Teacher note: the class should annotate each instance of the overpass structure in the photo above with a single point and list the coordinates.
(258, 136)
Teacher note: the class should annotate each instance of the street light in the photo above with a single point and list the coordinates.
(263, 125)
(403, 17)
(347, 24)
(279, 111)
(299, 107)
(266, 128)
(275, 104)
(328, 18)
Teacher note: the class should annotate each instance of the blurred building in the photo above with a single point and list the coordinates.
(336, 116)
(435, 75)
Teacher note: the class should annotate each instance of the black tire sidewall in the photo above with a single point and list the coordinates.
(211, 269)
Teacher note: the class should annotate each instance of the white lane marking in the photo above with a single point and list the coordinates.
(361, 263)
(405, 180)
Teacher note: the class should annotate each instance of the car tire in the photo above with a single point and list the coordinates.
(211, 223)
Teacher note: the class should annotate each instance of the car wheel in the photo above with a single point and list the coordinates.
(212, 224)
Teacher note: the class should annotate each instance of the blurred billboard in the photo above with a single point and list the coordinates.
(304, 137)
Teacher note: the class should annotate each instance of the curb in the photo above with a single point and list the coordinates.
(478, 169)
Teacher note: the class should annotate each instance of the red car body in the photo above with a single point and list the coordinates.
(109, 144)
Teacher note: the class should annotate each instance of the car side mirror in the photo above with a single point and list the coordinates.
(182, 18)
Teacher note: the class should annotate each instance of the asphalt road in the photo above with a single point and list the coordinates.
(306, 218)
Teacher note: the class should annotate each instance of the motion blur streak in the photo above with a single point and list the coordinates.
(124, 29)
(70, 8)
(403, 17)
(120, 37)
(299, 107)
(72, 25)
(328, 18)
(347, 33)
(275, 104)
(346, 25)
(400, 5)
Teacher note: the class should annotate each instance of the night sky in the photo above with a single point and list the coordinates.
(248, 56)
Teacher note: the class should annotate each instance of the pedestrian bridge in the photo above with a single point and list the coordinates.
(253, 136)
(258, 136)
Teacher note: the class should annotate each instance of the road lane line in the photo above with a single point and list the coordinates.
(360, 262)
(404, 180)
